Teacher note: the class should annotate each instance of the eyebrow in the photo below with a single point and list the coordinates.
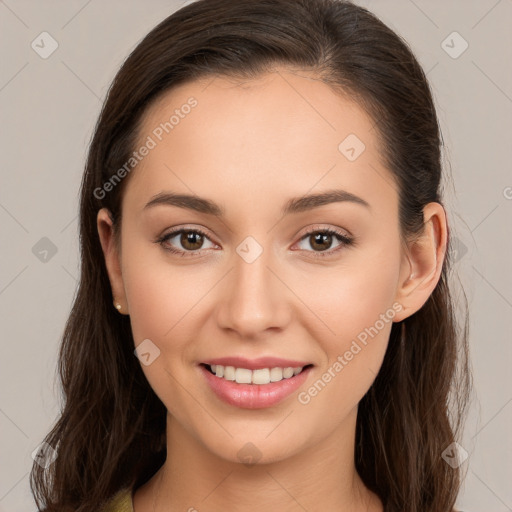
(294, 205)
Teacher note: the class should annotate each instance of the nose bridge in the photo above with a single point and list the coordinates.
(254, 300)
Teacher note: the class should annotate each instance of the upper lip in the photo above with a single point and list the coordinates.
(256, 364)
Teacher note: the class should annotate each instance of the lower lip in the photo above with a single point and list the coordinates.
(253, 396)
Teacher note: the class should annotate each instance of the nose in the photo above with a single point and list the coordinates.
(253, 299)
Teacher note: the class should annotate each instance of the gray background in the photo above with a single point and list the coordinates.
(49, 108)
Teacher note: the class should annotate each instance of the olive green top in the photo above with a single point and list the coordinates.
(121, 502)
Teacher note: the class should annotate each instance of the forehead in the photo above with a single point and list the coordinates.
(283, 134)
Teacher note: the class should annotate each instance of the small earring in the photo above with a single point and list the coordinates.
(117, 305)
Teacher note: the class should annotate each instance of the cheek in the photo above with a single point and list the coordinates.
(355, 306)
(350, 297)
(160, 295)
(161, 299)
(164, 301)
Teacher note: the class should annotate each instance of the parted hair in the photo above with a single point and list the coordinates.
(110, 433)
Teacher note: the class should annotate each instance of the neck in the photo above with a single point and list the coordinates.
(321, 477)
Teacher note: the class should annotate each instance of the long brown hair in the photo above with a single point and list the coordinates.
(111, 431)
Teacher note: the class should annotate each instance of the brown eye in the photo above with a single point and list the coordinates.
(191, 240)
(321, 241)
(185, 242)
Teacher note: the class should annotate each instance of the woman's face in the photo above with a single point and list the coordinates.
(256, 275)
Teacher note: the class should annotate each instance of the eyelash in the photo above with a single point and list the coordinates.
(344, 239)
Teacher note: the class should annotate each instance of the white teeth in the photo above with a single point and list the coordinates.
(229, 372)
(287, 373)
(276, 374)
(243, 375)
(260, 376)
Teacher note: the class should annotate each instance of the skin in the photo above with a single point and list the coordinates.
(251, 147)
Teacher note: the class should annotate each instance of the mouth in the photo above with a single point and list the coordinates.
(256, 388)
(257, 377)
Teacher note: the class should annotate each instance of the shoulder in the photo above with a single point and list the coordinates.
(121, 502)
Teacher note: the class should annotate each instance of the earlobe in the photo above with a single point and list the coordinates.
(112, 259)
(422, 265)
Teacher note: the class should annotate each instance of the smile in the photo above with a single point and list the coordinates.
(259, 377)
(253, 389)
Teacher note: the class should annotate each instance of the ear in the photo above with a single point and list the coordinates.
(112, 258)
(422, 262)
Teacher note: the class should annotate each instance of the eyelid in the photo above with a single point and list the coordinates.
(323, 228)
